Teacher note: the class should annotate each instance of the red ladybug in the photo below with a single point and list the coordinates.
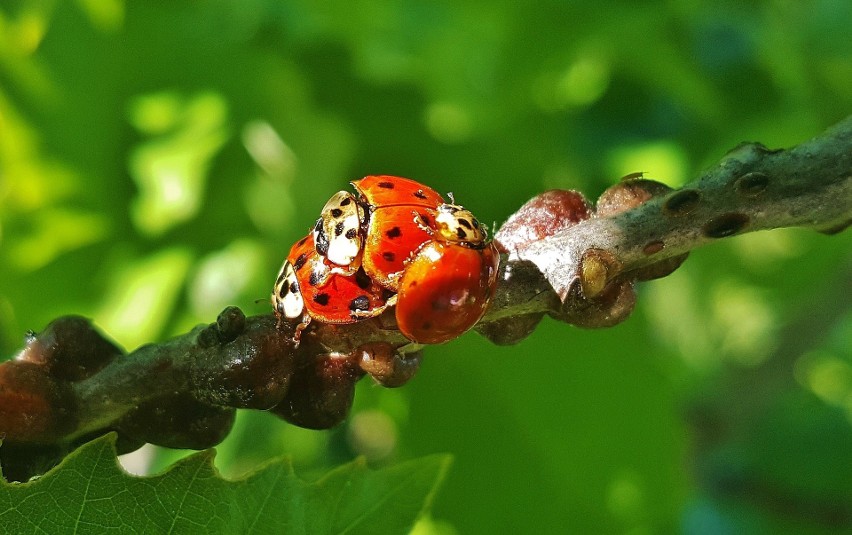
(400, 214)
(309, 287)
(398, 235)
(447, 284)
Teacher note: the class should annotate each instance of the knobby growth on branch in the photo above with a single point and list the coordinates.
(561, 257)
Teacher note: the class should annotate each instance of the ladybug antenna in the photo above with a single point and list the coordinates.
(452, 197)
(261, 300)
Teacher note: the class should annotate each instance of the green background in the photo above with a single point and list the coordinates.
(158, 159)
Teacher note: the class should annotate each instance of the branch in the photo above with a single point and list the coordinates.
(560, 257)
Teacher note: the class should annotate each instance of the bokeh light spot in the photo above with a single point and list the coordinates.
(826, 375)
(140, 297)
(223, 275)
(663, 161)
(584, 82)
(106, 15)
(171, 169)
(448, 122)
(744, 323)
(625, 497)
(55, 232)
(372, 434)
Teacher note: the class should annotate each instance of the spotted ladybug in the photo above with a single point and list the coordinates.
(448, 282)
(400, 214)
(337, 233)
(287, 297)
(310, 287)
(400, 236)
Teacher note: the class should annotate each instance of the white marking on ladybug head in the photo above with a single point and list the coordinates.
(340, 227)
(286, 296)
(458, 225)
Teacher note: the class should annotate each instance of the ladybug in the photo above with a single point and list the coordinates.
(448, 282)
(286, 295)
(310, 287)
(445, 290)
(396, 236)
(337, 233)
(401, 216)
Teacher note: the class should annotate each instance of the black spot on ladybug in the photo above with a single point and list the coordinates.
(282, 293)
(362, 279)
(475, 223)
(362, 302)
(395, 232)
(321, 244)
(280, 277)
(426, 220)
(389, 256)
(294, 287)
(465, 223)
(321, 299)
(461, 233)
(314, 279)
(351, 233)
(419, 194)
(300, 261)
(338, 228)
(386, 185)
(302, 241)
(346, 201)
(336, 212)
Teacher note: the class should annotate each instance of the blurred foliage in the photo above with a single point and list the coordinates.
(157, 159)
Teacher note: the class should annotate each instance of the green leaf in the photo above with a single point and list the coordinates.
(89, 493)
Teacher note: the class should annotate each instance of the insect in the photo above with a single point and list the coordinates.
(397, 235)
(633, 176)
(310, 287)
(337, 233)
(447, 284)
(401, 214)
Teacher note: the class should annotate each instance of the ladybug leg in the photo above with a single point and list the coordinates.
(364, 314)
(343, 271)
(418, 218)
(386, 364)
(322, 273)
(297, 334)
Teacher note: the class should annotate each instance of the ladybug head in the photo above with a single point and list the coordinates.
(455, 224)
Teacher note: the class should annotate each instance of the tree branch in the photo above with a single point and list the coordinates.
(752, 188)
(561, 258)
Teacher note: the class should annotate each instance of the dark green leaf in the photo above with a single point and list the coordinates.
(89, 493)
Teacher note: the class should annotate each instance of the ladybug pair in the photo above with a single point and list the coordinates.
(397, 243)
